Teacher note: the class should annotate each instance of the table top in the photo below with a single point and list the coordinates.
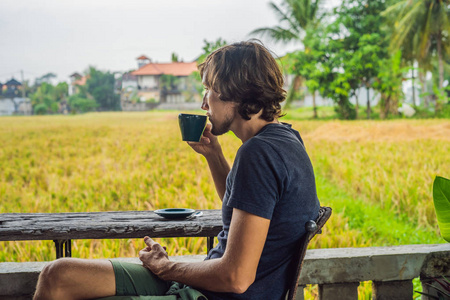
(105, 225)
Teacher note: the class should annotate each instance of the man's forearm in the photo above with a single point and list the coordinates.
(211, 275)
(219, 168)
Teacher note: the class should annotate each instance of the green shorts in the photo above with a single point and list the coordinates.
(135, 280)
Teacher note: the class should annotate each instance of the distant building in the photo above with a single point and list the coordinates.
(143, 60)
(149, 79)
(11, 100)
(76, 80)
(147, 87)
(129, 81)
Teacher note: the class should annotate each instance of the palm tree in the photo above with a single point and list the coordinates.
(295, 17)
(427, 22)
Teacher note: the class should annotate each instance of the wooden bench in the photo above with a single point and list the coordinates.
(64, 227)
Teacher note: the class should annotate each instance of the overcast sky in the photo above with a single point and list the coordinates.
(62, 36)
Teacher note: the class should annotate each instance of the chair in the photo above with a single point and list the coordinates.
(312, 228)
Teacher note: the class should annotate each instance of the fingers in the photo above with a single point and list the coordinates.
(207, 131)
(151, 244)
(204, 140)
(142, 252)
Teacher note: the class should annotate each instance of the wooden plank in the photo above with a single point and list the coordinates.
(105, 225)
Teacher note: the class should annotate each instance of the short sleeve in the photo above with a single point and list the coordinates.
(256, 179)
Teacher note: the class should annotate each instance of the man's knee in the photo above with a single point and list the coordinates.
(55, 276)
(55, 270)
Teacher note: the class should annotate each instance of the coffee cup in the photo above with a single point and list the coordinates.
(192, 127)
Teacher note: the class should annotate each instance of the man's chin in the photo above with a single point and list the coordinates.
(218, 131)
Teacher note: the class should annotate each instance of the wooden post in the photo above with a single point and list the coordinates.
(63, 248)
(210, 243)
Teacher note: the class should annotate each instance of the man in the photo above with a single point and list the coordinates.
(268, 196)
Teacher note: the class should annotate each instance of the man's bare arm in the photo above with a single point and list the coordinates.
(219, 168)
(234, 272)
(210, 148)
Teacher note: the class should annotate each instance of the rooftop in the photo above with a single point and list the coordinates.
(143, 57)
(80, 81)
(175, 69)
(13, 82)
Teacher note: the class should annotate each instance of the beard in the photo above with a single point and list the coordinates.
(224, 127)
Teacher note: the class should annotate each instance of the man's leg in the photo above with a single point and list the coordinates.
(73, 278)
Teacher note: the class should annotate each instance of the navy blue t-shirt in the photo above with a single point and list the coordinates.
(272, 177)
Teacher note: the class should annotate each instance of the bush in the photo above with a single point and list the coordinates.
(444, 112)
(40, 109)
(81, 105)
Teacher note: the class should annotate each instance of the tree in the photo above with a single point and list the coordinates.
(100, 85)
(359, 26)
(209, 47)
(47, 97)
(322, 65)
(295, 17)
(195, 81)
(307, 64)
(79, 104)
(175, 57)
(389, 83)
(364, 65)
(425, 21)
(47, 78)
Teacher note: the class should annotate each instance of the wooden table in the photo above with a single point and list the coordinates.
(64, 227)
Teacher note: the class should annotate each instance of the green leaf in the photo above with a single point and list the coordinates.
(429, 295)
(441, 197)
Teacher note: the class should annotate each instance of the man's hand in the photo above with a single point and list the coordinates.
(208, 144)
(154, 257)
(234, 272)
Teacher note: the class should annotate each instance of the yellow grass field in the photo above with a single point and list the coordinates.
(377, 176)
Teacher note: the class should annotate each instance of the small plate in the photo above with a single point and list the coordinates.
(174, 213)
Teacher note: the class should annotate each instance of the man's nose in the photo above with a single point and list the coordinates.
(205, 103)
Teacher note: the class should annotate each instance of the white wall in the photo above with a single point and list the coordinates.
(129, 83)
(148, 82)
(7, 106)
(175, 98)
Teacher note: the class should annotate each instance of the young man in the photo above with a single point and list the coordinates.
(268, 196)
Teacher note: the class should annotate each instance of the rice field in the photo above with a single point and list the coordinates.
(377, 176)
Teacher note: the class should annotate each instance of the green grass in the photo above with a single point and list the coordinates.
(368, 224)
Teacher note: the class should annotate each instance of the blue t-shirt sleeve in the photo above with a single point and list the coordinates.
(256, 179)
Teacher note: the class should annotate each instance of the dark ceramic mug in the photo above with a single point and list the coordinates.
(191, 126)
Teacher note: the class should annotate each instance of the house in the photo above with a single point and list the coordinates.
(12, 100)
(129, 81)
(76, 80)
(165, 82)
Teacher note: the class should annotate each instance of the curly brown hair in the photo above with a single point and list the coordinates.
(246, 73)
